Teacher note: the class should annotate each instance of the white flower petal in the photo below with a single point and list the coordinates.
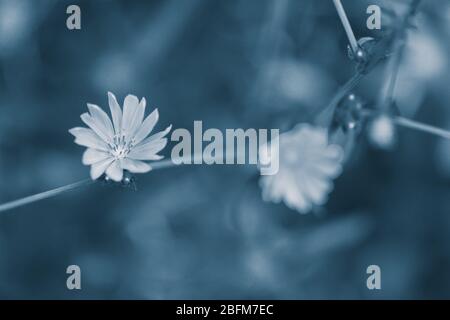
(334, 152)
(92, 156)
(97, 169)
(312, 192)
(147, 126)
(88, 138)
(148, 151)
(295, 199)
(115, 171)
(139, 117)
(135, 166)
(155, 137)
(96, 127)
(102, 119)
(131, 109)
(326, 168)
(116, 112)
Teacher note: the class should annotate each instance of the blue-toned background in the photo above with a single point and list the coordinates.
(203, 231)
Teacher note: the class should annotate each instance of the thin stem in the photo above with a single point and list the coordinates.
(415, 125)
(82, 183)
(57, 191)
(44, 195)
(411, 124)
(348, 28)
(392, 69)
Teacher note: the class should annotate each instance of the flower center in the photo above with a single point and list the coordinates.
(120, 148)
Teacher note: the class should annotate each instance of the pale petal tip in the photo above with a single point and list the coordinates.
(117, 177)
(72, 131)
(131, 96)
(84, 115)
(94, 175)
(155, 113)
(111, 98)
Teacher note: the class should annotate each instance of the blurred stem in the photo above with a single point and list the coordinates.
(392, 69)
(415, 125)
(393, 65)
(412, 124)
(348, 28)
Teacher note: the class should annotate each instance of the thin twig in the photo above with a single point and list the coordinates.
(411, 124)
(44, 195)
(57, 191)
(348, 28)
(168, 163)
(392, 69)
(415, 125)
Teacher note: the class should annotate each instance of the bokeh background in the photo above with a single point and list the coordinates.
(203, 232)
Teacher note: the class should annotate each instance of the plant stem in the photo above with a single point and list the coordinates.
(415, 125)
(393, 65)
(392, 69)
(411, 124)
(57, 191)
(348, 28)
(82, 183)
(44, 195)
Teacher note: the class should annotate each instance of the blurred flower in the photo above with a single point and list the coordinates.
(307, 166)
(122, 144)
(382, 132)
